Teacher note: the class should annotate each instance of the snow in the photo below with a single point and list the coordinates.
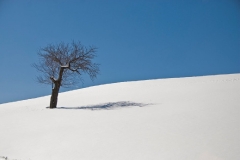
(194, 118)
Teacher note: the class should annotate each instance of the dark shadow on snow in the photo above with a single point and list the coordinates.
(107, 106)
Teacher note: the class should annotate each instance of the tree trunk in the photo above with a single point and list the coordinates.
(55, 89)
(54, 97)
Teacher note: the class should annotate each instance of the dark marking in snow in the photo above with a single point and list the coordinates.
(107, 106)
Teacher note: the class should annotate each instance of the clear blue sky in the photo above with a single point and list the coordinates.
(136, 39)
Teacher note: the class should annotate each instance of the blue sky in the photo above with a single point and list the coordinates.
(136, 39)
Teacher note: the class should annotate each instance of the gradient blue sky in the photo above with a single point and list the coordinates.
(136, 39)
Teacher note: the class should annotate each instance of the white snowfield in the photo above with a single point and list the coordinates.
(195, 118)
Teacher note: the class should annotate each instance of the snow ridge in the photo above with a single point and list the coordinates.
(178, 118)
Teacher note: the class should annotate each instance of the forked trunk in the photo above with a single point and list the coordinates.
(54, 97)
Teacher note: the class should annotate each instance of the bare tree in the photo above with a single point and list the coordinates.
(63, 64)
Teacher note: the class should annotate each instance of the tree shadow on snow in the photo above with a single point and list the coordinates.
(108, 106)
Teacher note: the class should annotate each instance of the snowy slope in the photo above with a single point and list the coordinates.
(193, 118)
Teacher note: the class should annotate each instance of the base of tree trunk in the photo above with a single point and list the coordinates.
(54, 97)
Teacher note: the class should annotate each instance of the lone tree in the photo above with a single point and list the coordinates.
(63, 65)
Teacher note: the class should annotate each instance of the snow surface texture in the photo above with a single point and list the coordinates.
(193, 118)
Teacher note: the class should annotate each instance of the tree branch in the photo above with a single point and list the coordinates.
(66, 63)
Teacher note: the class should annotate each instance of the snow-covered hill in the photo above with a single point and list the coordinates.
(193, 118)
